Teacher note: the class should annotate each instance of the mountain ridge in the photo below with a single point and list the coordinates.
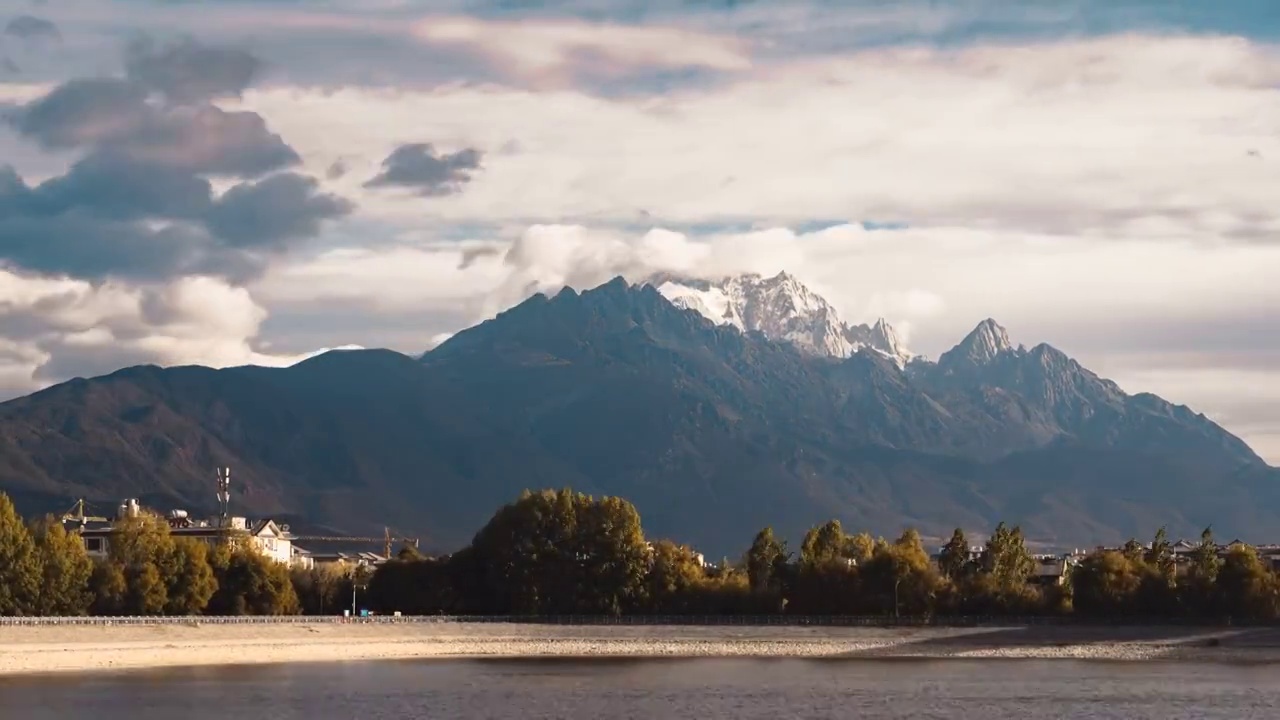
(713, 432)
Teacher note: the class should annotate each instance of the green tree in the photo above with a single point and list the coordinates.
(1246, 587)
(145, 592)
(899, 579)
(1199, 592)
(562, 552)
(954, 559)
(19, 563)
(65, 569)
(823, 544)
(1160, 557)
(1106, 584)
(250, 584)
(143, 549)
(764, 560)
(1006, 558)
(108, 586)
(319, 589)
(673, 578)
(191, 583)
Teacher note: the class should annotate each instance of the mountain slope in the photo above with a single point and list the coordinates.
(713, 432)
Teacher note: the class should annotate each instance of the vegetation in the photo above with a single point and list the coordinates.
(563, 553)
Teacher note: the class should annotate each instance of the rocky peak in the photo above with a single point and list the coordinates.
(985, 343)
(780, 308)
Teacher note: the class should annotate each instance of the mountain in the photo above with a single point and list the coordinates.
(713, 432)
(781, 308)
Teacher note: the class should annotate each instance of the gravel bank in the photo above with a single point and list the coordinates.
(92, 648)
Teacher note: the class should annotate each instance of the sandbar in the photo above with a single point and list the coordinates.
(91, 648)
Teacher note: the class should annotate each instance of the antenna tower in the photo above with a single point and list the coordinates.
(224, 493)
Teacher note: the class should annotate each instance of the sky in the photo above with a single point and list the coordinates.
(228, 182)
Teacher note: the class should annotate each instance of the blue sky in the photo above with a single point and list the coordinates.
(226, 182)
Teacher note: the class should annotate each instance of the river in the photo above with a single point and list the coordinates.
(590, 689)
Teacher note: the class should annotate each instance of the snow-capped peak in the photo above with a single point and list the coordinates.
(781, 308)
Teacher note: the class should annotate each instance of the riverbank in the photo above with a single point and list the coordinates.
(50, 649)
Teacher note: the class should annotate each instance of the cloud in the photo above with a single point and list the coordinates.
(57, 327)
(117, 113)
(274, 211)
(419, 166)
(29, 27)
(139, 203)
(553, 50)
(189, 72)
(1137, 135)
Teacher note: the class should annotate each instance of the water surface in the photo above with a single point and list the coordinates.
(589, 689)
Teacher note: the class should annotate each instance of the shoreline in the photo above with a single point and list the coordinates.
(28, 650)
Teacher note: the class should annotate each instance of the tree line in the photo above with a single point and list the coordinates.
(565, 553)
(45, 571)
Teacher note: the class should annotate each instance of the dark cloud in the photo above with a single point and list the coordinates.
(29, 27)
(9, 66)
(273, 211)
(139, 204)
(116, 112)
(188, 72)
(82, 245)
(336, 170)
(116, 187)
(82, 112)
(418, 166)
(210, 140)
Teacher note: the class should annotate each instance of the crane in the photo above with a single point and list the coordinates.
(76, 514)
(387, 539)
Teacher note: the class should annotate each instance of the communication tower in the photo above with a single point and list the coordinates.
(224, 493)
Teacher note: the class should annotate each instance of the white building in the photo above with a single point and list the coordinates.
(265, 536)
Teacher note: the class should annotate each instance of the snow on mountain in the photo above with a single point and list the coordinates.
(781, 308)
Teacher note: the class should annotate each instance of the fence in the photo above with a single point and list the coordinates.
(688, 620)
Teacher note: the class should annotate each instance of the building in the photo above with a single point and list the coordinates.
(347, 560)
(266, 537)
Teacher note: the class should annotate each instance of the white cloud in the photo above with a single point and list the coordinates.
(57, 328)
(1079, 136)
(550, 50)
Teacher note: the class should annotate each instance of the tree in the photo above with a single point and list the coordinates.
(1106, 584)
(250, 584)
(143, 549)
(1199, 591)
(954, 559)
(764, 558)
(319, 589)
(823, 544)
(191, 583)
(145, 592)
(563, 552)
(20, 571)
(65, 569)
(1160, 557)
(673, 577)
(1246, 588)
(108, 586)
(1006, 557)
(1133, 550)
